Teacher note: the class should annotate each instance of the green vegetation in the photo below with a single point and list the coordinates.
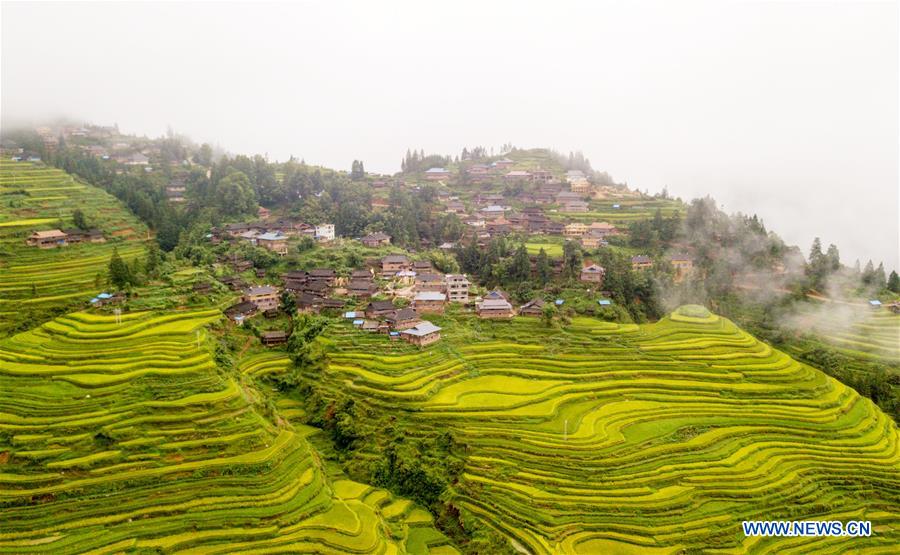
(127, 437)
(597, 437)
(36, 283)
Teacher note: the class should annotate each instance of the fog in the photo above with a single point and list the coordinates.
(787, 110)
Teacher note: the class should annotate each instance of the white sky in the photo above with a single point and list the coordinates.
(789, 110)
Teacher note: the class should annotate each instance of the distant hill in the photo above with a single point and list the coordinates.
(35, 281)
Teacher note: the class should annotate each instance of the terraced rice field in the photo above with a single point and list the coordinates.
(128, 438)
(35, 197)
(872, 335)
(630, 210)
(623, 439)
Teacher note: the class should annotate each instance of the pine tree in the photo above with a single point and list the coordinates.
(878, 278)
(151, 265)
(868, 274)
(893, 282)
(79, 220)
(815, 253)
(833, 257)
(521, 265)
(572, 258)
(119, 273)
(544, 272)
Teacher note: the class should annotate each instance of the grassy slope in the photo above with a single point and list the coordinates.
(33, 280)
(617, 438)
(127, 437)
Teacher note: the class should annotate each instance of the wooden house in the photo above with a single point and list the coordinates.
(429, 302)
(272, 338)
(47, 239)
(436, 174)
(422, 334)
(429, 282)
(393, 263)
(273, 241)
(240, 311)
(574, 207)
(378, 239)
(592, 273)
(76, 235)
(403, 318)
(379, 309)
(494, 308)
(295, 280)
(641, 262)
(362, 288)
(532, 308)
(683, 266)
(264, 297)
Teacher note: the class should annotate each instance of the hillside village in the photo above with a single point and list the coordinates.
(356, 325)
(275, 279)
(547, 218)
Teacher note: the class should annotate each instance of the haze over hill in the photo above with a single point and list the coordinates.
(782, 110)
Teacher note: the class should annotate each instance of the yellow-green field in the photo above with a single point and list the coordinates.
(659, 438)
(127, 438)
(34, 280)
(860, 331)
(630, 210)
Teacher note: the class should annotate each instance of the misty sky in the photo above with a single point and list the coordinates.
(789, 110)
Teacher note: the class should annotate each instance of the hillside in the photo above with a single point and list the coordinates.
(34, 281)
(127, 437)
(606, 438)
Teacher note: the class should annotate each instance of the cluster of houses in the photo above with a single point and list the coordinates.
(432, 289)
(273, 235)
(398, 323)
(491, 217)
(427, 290)
(53, 238)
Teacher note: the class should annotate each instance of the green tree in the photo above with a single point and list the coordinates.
(79, 220)
(548, 313)
(833, 258)
(153, 259)
(357, 171)
(893, 282)
(520, 269)
(306, 353)
(119, 272)
(288, 303)
(572, 259)
(544, 272)
(204, 155)
(878, 278)
(234, 195)
(868, 273)
(306, 243)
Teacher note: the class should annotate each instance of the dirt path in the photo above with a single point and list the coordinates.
(244, 348)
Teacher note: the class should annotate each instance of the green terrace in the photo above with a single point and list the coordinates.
(34, 197)
(126, 437)
(607, 438)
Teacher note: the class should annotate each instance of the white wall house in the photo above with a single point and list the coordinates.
(325, 232)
